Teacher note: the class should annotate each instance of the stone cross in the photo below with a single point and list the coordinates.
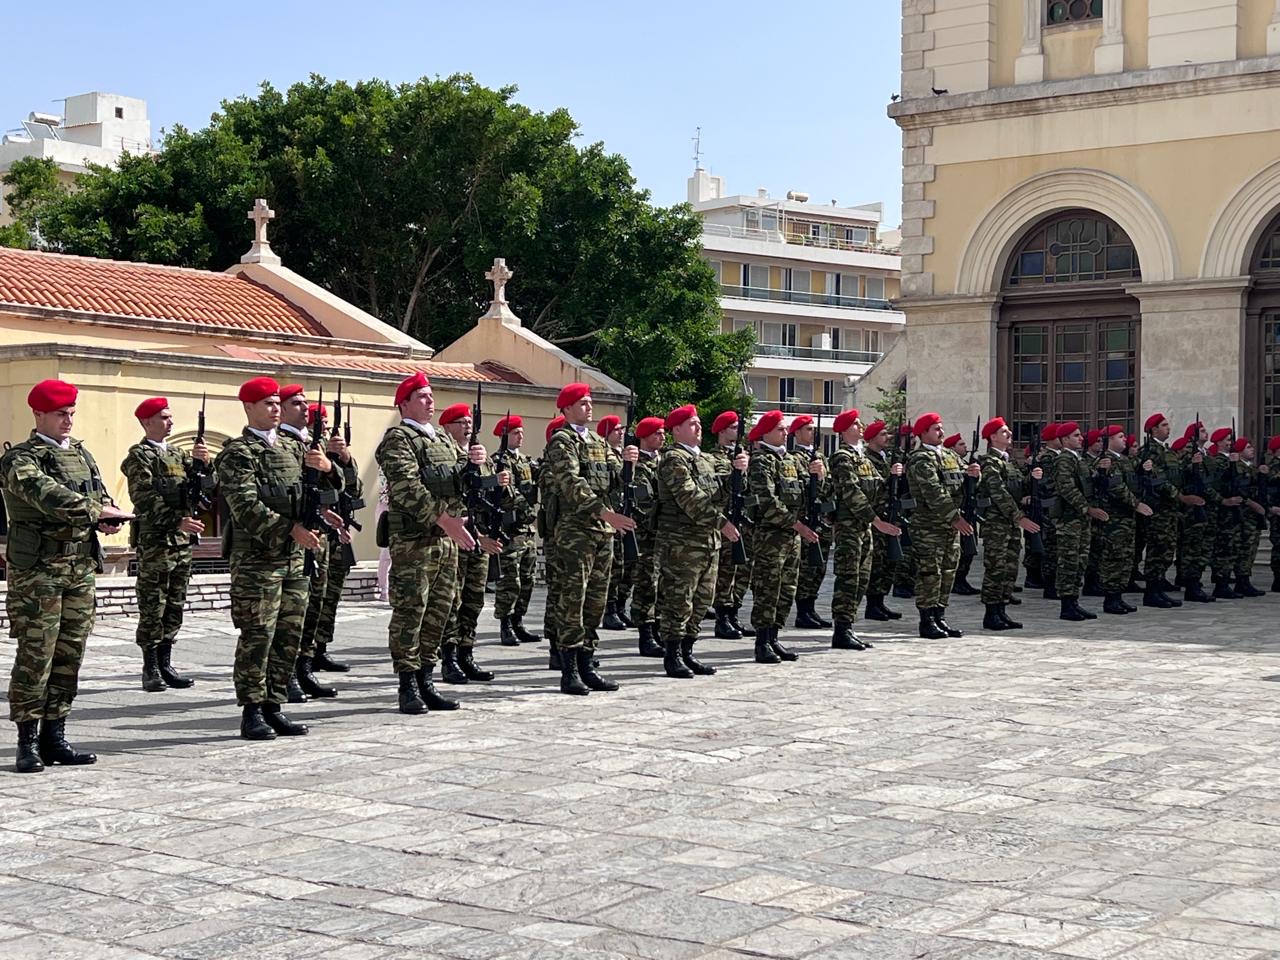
(500, 274)
(260, 214)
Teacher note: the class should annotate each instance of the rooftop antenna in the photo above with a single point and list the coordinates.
(697, 149)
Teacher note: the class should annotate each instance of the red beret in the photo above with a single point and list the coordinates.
(1132, 440)
(1240, 444)
(905, 430)
(873, 430)
(608, 424)
(648, 427)
(1050, 432)
(311, 412)
(1067, 429)
(951, 441)
(726, 420)
(766, 424)
(507, 424)
(455, 412)
(926, 421)
(259, 388)
(1179, 444)
(991, 426)
(571, 394)
(1213, 449)
(1222, 433)
(290, 390)
(799, 423)
(1153, 421)
(1092, 437)
(50, 395)
(679, 415)
(1112, 430)
(845, 420)
(149, 408)
(1193, 430)
(555, 424)
(410, 384)
(1274, 445)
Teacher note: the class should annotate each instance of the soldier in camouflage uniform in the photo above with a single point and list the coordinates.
(158, 477)
(1195, 537)
(875, 444)
(936, 479)
(1124, 500)
(777, 497)
(1162, 491)
(689, 522)
(1271, 472)
(732, 580)
(615, 610)
(56, 501)
(1093, 452)
(904, 572)
(576, 467)
(519, 559)
(1223, 469)
(1254, 516)
(650, 435)
(961, 586)
(1072, 512)
(260, 474)
(855, 488)
(1003, 525)
(812, 572)
(548, 510)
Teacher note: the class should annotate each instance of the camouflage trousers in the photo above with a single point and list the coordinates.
(424, 574)
(581, 562)
(519, 563)
(1119, 537)
(468, 598)
(1250, 540)
(620, 574)
(852, 570)
(1071, 537)
(1094, 567)
(1195, 547)
(1160, 542)
(965, 564)
(882, 570)
(733, 580)
(1227, 542)
(644, 579)
(268, 606)
(773, 575)
(936, 550)
(812, 574)
(317, 587)
(1049, 559)
(1001, 544)
(554, 578)
(1273, 533)
(327, 615)
(906, 570)
(686, 564)
(50, 609)
(163, 574)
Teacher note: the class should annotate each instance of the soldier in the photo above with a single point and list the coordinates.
(1271, 470)
(260, 474)
(615, 615)
(904, 572)
(778, 493)
(875, 444)
(1159, 530)
(159, 478)
(732, 579)
(961, 587)
(577, 469)
(547, 513)
(1195, 539)
(1050, 449)
(1073, 484)
(812, 572)
(651, 435)
(1119, 533)
(1094, 441)
(56, 505)
(457, 661)
(689, 522)
(936, 478)
(1002, 527)
(855, 485)
(520, 553)
(424, 530)
(1253, 520)
(1228, 520)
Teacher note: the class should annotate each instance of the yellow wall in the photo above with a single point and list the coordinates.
(1136, 14)
(1068, 51)
(1251, 35)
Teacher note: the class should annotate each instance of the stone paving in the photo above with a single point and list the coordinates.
(1109, 792)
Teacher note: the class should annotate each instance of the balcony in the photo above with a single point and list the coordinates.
(799, 297)
(797, 239)
(792, 405)
(816, 353)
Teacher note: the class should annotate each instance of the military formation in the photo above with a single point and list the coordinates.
(625, 511)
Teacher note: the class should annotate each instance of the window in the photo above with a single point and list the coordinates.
(769, 221)
(751, 218)
(717, 268)
(755, 275)
(759, 388)
(119, 113)
(835, 338)
(1071, 11)
(1074, 247)
(786, 389)
(875, 288)
(1262, 339)
(740, 324)
(831, 284)
(778, 334)
(829, 392)
(871, 341)
(799, 281)
(857, 234)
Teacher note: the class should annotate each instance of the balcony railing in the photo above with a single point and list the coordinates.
(803, 406)
(798, 239)
(799, 296)
(816, 353)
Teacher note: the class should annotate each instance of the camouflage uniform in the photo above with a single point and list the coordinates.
(644, 572)
(936, 479)
(811, 574)
(1160, 530)
(777, 490)
(690, 513)
(1195, 546)
(1119, 533)
(1003, 486)
(317, 583)
(1048, 561)
(855, 486)
(157, 476)
(472, 565)
(1073, 486)
(882, 571)
(732, 580)
(54, 498)
(1251, 527)
(322, 610)
(620, 571)
(1273, 522)
(520, 553)
(1228, 521)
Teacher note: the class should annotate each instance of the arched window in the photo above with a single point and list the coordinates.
(1070, 11)
(1073, 247)
(1262, 338)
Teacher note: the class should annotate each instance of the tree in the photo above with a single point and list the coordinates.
(891, 406)
(31, 184)
(397, 198)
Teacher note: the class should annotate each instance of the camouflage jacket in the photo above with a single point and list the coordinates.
(936, 479)
(1166, 471)
(578, 474)
(157, 487)
(645, 478)
(1073, 484)
(54, 498)
(423, 477)
(1123, 487)
(855, 485)
(1003, 485)
(522, 495)
(689, 494)
(776, 488)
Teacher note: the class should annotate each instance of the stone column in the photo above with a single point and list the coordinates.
(1029, 66)
(1273, 32)
(1192, 339)
(1108, 56)
(951, 356)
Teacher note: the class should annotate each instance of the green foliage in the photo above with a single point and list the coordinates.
(397, 198)
(891, 406)
(31, 185)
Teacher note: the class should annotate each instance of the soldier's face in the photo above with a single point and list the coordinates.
(655, 440)
(1161, 432)
(460, 429)
(421, 405)
(1074, 441)
(1248, 452)
(962, 448)
(1002, 438)
(804, 436)
(878, 442)
(615, 437)
(159, 426)
(777, 436)
(933, 435)
(727, 437)
(56, 424)
(515, 438)
(265, 414)
(294, 411)
(1117, 443)
(689, 433)
(579, 413)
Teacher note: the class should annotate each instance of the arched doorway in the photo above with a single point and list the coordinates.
(1067, 336)
(1262, 339)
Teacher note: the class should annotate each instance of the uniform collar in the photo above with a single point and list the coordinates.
(780, 451)
(293, 431)
(580, 429)
(427, 428)
(61, 445)
(936, 448)
(158, 444)
(693, 450)
(649, 454)
(268, 435)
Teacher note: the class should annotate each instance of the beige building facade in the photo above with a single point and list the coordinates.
(1090, 199)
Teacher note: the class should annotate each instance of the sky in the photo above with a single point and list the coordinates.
(789, 96)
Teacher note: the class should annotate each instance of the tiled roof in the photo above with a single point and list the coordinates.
(483, 372)
(147, 291)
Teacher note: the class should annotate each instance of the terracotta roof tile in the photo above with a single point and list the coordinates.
(457, 371)
(147, 291)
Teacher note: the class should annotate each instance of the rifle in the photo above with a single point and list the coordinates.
(893, 545)
(1197, 486)
(630, 547)
(313, 501)
(969, 506)
(1233, 477)
(499, 519)
(1261, 492)
(813, 554)
(477, 484)
(348, 503)
(1035, 500)
(4, 514)
(737, 491)
(199, 480)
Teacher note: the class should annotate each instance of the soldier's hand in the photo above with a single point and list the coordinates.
(1147, 466)
(1232, 501)
(457, 531)
(897, 470)
(630, 454)
(887, 528)
(316, 460)
(1275, 511)
(962, 527)
(1191, 500)
(1264, 468)
(333, 519)
(304, 537)
(1097, 513)
(489, 546)
(1144, 510)
(504, 478)
(477, 454)
(1029, 525)
(190, 525)
(109, 528)
(1197, 457)
(1233, 457)
(742, 462)
(730, 532)
(973, 470)
(200, 451)
(114, 515)
(1105, 463)
(1037, 473)
(806, 534)
(619, 521)
(1255, 507)
(816, 468)
(344, 535)
(338, 446)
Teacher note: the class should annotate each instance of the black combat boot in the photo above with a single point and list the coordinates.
(764, 650)
(55, 749)
(523, 635)
(1071, 610)
(252, 726)
(620, 611)
(1009, 623)
(570, 682)
(554, 660)
(507, 633)
(410, 702)
(1222, 589)
(939, 614)
(279, 721)
(843, 638)
(697, 666)
(587, 671)
(1247, 589)
(963, 588)
(1051, 592)
(725, 630)
(293, 689)
(307, 680)
(467, 660)
(992, 620)
(427, 690)
(649, 645)
(813, 609)
(611, 619)
(1093, 585)
(28, 759)
(1193, 592)
(151, 680)
(1114, 603)
(673, 663)
(170, 676)
(450, 669)
(322, 661)
(1032, 581)
(876, 610)
(776, 646)
(745, 628)
(1153, 597)
(806, 616)
(1016, 601)
(1275, 584)
(929, 630)
(903, 591)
